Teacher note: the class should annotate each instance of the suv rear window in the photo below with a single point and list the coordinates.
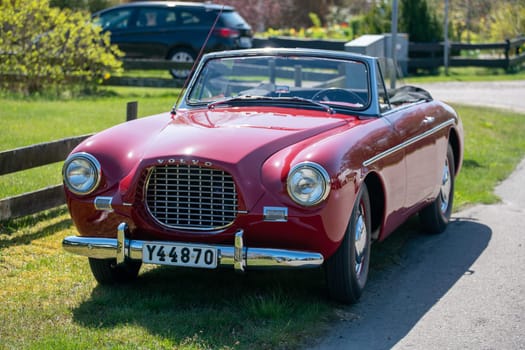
(232, 19)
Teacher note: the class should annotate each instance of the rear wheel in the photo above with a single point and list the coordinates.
(107, 271)
(435, 217)
(347, 270)
(181, 55)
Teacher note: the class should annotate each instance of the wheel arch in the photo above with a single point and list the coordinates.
(376, 193)
(454, 142)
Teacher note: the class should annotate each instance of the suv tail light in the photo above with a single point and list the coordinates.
(226, 32)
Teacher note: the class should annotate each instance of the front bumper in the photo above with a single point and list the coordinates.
(239, 257)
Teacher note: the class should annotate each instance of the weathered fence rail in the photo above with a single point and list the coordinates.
(29, 157)
(24, 158)
(148, 64)
(507, 55)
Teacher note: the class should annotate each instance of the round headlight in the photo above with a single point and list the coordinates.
(308, 183)
(81, 173)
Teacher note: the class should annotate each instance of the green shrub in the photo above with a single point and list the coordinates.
(44, 48)
(420, 21)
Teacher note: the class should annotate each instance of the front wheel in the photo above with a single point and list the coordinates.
(107, 271)
(347, 270)
(435, 217)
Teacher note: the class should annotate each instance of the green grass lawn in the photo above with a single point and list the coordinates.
(49, 300)
(494, 145)
(29, 121)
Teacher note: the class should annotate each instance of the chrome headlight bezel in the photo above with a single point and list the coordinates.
(87, 170)
(315, 185)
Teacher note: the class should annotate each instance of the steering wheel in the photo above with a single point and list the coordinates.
(338, 94)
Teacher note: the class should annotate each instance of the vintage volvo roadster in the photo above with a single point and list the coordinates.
(272, 158)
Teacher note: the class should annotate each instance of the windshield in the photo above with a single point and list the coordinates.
(334, 82)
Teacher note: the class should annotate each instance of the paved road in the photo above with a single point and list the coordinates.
(463, 289)
(505, 94)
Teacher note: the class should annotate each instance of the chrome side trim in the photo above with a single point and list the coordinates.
(238, 257)
(407, 143)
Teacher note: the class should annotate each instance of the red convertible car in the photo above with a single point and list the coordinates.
(272, 158)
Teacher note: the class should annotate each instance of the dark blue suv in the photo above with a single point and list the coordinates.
(174, 30)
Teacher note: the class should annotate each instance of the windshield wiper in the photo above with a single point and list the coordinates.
(242, 98)
(327, 108)
(245, 98)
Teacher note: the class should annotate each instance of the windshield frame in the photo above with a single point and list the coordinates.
(329, 58)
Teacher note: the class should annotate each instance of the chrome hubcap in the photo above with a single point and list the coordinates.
(360, 240)
(181, 57)
(446, 185)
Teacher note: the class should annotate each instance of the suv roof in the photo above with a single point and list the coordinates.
(208, 6)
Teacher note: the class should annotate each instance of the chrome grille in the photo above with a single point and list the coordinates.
(191, 197)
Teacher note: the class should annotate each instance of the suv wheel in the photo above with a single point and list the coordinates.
(181, 56)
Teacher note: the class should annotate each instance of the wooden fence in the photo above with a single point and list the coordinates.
(508, 55)
(148, 64)
(24, 158)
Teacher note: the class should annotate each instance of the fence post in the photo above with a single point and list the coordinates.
(298, 76)
(131, 110)
(507, 55)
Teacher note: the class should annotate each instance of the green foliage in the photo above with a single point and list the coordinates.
(45, 48)
(343, 32)
(378, 20)
(89, 5)
(338, 28)
(316, 21)
(508, 21)
(419, 21)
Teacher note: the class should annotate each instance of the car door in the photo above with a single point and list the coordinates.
(120, 23)
(148, 36)
(415, 123)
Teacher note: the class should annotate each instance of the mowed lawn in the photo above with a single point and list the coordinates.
(49, 300)
(29, 121)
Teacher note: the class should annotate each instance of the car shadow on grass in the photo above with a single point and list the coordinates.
(212, 309)
(20, 231)
(410, 272)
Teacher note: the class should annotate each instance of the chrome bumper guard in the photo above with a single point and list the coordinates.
(239, 257)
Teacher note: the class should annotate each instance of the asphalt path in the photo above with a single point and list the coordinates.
(463, 289)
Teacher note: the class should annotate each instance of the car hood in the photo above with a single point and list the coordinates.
(230, 135)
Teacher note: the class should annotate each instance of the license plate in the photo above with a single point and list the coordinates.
(245, 42)
(179, 255)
